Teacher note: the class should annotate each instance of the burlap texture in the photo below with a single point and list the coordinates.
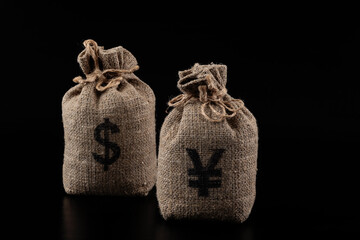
(130, 107)
(186, 127)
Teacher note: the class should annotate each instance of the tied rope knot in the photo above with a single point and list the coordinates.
(105, 79)
(215, 98)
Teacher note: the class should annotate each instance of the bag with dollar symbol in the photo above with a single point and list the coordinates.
(109, 126)
(207, 159)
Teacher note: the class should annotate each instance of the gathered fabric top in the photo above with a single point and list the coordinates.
(208, 84)
(106, 67)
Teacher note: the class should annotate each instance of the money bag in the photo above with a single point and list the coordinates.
(109, 126)
(207, 160)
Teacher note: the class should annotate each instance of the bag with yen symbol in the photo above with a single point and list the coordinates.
(207, 160)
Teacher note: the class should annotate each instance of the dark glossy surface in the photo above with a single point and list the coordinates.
(111, 218)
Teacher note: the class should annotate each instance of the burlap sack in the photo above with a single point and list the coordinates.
(207, 159)
(109, 126)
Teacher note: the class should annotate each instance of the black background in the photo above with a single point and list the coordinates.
(295, 71)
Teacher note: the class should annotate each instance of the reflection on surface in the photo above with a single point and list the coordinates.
(92, 217)
(203, 230)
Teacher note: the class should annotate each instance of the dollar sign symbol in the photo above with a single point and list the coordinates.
(106, 126)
